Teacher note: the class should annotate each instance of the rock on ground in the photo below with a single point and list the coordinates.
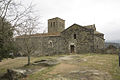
(16, 74)
(46, 62)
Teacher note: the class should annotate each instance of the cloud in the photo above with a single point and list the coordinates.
(104, 13)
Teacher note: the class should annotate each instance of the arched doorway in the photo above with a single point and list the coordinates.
(72, 48)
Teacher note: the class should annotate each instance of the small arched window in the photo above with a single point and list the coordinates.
(50, 44)
(74, 36)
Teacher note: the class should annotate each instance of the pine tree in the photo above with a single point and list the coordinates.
(6, 39)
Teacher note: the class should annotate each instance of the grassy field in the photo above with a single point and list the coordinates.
(105, 63)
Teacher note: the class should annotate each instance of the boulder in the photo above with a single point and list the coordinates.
(16, 74)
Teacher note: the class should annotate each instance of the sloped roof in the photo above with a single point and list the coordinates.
(40, 35)
(96, 32)
(91, 27)
(46, 34)
(76, 25)
(58, 33)
(56, 18)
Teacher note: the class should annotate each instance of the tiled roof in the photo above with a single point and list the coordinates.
(40, 35)
(56, 18)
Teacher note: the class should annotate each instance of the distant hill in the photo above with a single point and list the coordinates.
(114, 43)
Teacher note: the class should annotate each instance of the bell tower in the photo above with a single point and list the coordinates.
(56, 25)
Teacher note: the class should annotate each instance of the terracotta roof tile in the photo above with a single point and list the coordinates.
(40, 35)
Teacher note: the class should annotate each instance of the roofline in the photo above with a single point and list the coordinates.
(56, 18)
(100, 37)
(77, 25)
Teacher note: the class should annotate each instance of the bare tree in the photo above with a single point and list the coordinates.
(27, 43)
(22, 20)
(14, 12)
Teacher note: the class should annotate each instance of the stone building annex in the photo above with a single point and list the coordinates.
(74, 39)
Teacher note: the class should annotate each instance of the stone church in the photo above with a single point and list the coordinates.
(74, 39)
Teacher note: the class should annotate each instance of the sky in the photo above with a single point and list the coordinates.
(105, 14)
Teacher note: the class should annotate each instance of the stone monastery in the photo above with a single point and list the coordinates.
(74, 39)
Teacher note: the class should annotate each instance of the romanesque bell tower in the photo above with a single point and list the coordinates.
(56, 25)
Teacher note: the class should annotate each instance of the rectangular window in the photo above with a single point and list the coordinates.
(74, 36)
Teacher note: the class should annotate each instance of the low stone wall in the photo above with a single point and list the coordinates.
(112, 50)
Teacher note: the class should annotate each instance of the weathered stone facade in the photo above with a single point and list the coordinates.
(56, 25)
(74, 39)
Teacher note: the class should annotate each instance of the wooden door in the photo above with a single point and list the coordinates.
(72, 47)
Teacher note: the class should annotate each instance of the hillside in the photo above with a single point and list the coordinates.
(71, 67)
(112, 43)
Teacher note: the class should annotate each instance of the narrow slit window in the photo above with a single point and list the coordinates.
(51, 24)
(97, 46)
(54, 24)
(74, 36)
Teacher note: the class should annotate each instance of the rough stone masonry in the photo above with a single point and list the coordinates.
(74, 39)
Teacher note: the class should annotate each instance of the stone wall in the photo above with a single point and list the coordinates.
(99, 43)
(56, 25)
(52, 45)
(48, 45)
(84, 39)
(24, 44)
(111, 49)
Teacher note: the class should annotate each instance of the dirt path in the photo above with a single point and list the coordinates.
(64, 58)
(67, 71)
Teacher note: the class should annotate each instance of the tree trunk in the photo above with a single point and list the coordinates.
(28, 59)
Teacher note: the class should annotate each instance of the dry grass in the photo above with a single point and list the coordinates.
(63, 68)
(102, 62)
(19, 62)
